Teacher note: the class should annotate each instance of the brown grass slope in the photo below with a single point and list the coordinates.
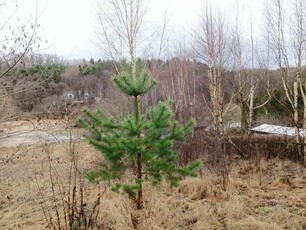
(269, 196)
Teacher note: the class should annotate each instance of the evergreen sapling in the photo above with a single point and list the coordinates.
(136, 143)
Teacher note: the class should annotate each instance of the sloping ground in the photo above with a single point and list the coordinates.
(25, 181)
(269, 196)
(278, 203)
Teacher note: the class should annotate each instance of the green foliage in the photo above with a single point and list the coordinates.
(117, 140)
(277, 105)
(96, 67)
(130, 190)
(138, 144)
(50, 73)
(136, 85)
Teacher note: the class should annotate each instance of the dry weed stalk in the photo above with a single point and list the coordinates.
(69, 207)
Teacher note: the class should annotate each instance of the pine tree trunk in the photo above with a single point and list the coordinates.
(139, 201)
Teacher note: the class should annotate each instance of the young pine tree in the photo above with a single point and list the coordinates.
(135, 143)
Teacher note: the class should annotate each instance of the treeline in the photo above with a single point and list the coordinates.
(38, 86)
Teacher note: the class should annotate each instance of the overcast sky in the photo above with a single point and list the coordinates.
(68, 24)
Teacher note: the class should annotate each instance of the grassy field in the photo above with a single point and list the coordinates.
(35, 180)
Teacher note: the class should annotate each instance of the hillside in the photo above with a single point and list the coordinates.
(271, 195)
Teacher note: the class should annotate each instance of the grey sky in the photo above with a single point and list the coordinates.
(68, 24)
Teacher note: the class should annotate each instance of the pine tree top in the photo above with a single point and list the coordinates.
(134, 80)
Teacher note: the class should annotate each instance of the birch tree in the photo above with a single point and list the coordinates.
(239, 65)
(212, 48)
(244, 64)
(121, 30)
(249, 85)
(288, 44)
(183, 82)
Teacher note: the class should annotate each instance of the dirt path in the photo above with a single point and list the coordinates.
(18, 133)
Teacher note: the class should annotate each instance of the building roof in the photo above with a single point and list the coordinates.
(277, 129)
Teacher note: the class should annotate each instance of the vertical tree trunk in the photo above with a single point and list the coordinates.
(296, 120)
(304, 136)
(244, 116)
(251, 110)
(139, 201)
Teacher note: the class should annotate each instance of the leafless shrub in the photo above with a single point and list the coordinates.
(202, 144)
(70, 206)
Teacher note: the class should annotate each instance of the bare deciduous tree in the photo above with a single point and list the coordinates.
(288, 44)
(182, 82)
(17, 37)
(248, 81)
(212, 48)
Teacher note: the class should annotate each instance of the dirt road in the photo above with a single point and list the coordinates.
(33, 132)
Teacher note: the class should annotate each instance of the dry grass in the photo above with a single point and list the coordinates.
(271, 195)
